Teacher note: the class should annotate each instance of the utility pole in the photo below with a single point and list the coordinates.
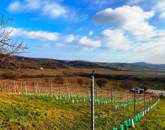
(93, 101)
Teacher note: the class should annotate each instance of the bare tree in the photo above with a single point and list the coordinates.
(8, 47)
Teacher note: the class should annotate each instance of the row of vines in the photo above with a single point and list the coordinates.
(126, 108)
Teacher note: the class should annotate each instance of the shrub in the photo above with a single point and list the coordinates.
(10, 75)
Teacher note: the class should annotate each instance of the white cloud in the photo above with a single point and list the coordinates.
(115, 39)
(48, 8)
(134, 2)
(160, 8)
(54, 10)
(35, 35)
(155, 45)
(160, 5)
(25, 5)
(156, 5)
(89, 42)
(14, 7)
(97, 3)
(152, 48)
(130, 19)
(70, 38)
(33, 4)
(162, 15)
(47, 37)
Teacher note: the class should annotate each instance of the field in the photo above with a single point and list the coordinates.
(60, 100)
(121, 79)
(24, 73)
(155, 120)
(45, 111)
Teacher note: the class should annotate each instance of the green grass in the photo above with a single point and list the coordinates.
(32, 112)
(20, 112)
(155, 119)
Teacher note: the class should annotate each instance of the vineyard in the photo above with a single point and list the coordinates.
(29, 104)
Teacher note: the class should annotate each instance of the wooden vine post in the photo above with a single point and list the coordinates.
(93, 101)
(144, 99)
(134, 103)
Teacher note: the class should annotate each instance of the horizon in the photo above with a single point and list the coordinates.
(124, 31)
(88, 60)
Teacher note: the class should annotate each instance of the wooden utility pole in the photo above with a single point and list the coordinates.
(93, 101)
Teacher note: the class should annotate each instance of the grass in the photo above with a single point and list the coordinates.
(155, 119)
(31, 112)
(20, 112)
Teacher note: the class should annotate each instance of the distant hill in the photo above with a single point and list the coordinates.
(139, 66)
(37, 63)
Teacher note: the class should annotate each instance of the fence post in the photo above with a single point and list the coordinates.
(93, 102)
(134, 103)
(25, 87)
(15, 86)
(144, 100)
(36, 86)
(51, 87)
(112, 94)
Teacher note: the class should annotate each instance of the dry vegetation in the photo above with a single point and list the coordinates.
(120, 79)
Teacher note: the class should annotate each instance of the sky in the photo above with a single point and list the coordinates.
(92, 30)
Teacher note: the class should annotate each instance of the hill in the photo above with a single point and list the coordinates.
(37, 63)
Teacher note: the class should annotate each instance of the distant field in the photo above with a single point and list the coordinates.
(119, 79)
(72, 71)
(45, 112)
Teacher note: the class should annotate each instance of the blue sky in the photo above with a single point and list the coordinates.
(93, 30)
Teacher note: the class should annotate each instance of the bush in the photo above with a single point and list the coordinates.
(10, 75)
